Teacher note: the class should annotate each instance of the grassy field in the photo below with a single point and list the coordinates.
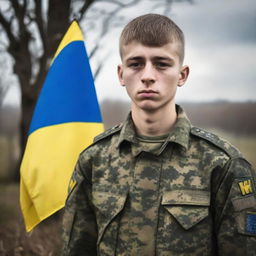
(245, 143)
(44, 240)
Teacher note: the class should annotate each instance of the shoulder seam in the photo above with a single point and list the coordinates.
(103, 135)
(216, 140)
(108, 133)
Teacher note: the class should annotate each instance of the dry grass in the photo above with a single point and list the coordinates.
(245, 143)
(44, 240)
(4, 165)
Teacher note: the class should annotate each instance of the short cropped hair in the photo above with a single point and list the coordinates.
(153, 30)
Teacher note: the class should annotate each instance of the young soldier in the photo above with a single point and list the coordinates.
(156, 185)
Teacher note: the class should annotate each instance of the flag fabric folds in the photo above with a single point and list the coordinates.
(65, 121)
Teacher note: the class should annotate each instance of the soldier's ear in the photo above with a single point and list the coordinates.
(184, 72)
(120, 74)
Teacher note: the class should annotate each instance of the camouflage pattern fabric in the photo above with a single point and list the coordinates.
(194, 195)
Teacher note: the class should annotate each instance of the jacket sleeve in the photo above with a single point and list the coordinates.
(79, 224)
(235, 210)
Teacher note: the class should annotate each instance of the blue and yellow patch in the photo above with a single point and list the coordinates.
(245, 187)
(251, 223)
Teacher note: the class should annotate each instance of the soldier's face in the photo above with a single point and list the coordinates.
(151, 74)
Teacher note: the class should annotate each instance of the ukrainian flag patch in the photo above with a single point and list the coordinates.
(251, 223)
(245, 187)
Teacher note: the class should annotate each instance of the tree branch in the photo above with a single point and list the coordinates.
(113, 2)
(107, 21)
(24, 7)
(39, 22)
(20, 11)
(84, 8)
(7, 28)
(19, 14)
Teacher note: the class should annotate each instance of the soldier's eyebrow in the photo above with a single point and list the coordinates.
(161, 58)
(135, 58)
(155, 58)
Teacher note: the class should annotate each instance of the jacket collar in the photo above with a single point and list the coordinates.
(179, 134)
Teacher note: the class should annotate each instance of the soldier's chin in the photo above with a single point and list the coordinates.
(148, 106)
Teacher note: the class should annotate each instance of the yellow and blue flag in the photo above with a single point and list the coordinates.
(65, 121)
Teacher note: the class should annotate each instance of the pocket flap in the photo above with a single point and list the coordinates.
(186, 197)
(188, 207)
(107, 203)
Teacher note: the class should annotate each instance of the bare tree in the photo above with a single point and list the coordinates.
(20, 20)
(32, 31)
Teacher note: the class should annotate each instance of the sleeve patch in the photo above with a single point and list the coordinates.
(245, 187)
(251, 223)
(71, 185)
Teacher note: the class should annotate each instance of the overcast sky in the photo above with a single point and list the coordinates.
(220, 50)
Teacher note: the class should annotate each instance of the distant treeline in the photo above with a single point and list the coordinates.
(9, 120)
(239, 118)
(233, 117)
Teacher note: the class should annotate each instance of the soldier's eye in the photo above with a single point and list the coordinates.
(162, 65)
(135, 65)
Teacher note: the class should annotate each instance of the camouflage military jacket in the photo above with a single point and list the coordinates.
(195, 196)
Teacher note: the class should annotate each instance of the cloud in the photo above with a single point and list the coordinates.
(218, 21)
(220, 49)
(221, 40)
(223, 73)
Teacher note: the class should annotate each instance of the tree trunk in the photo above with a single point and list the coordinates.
(58, 22)
(27, 108)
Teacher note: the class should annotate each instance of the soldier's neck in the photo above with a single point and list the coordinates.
(154, 123)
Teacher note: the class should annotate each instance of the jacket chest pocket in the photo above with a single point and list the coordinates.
(107, 207)
(188, 207)
(182, 222)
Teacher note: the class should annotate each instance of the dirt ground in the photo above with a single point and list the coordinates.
(44, 240)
